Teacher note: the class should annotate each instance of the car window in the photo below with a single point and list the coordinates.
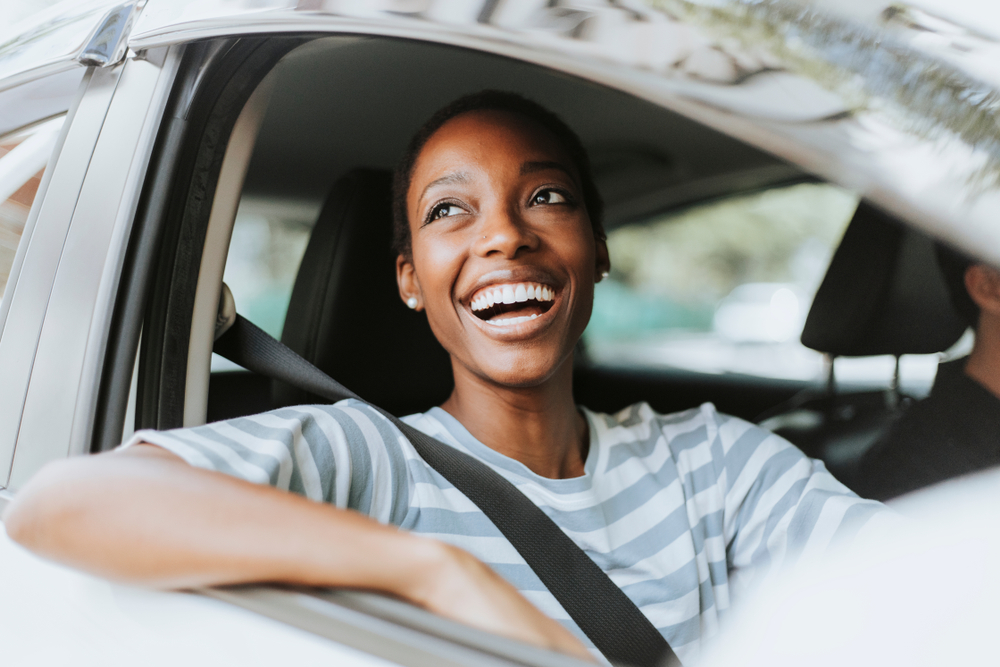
(24, 154)
(725, 287)
(268, 241)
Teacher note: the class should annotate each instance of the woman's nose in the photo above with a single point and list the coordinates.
(505, 232)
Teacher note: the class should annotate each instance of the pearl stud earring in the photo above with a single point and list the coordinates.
(412, 302)
(604, 274)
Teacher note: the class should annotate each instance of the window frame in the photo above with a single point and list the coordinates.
(26, 291)
(85, 226)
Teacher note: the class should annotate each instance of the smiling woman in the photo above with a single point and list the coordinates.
(499, 240)
(496, 207)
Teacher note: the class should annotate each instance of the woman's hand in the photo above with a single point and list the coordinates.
(457, 585)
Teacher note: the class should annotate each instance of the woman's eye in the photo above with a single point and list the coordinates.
(444, 211)
(549, 197)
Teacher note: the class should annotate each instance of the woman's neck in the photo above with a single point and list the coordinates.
(538, 426)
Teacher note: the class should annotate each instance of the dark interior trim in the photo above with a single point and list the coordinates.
(130, 302)
(610, 388)
(703, 191)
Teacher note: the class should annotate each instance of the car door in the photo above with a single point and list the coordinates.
(135, 210)
(75, 142)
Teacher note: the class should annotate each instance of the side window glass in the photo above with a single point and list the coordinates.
(722, 287)
(24, 154)
(269, 239)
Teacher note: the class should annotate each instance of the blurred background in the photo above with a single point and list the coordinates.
(722, 287)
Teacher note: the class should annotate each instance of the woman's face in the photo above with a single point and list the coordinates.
(504, 258)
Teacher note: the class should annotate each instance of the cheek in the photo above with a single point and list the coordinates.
(437, 260)
(578, 248)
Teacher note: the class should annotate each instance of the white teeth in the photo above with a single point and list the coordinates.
(518, 293)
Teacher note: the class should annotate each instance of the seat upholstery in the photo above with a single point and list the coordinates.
(345, 314)
(883, 294)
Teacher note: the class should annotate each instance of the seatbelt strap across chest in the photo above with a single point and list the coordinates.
(605, 614)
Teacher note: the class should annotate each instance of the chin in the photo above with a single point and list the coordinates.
(520, 373)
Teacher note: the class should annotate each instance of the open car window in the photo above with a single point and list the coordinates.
(724, 287)
(718, 287)
(264, 255)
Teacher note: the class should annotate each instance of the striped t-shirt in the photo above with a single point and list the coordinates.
(682, 511)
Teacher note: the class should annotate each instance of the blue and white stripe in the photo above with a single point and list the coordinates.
(683, 511)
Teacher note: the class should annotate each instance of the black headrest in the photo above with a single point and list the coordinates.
(883, 294)
(345, 314)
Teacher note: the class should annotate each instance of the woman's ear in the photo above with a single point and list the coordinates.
(983, 285)
(409, 286)
(603, 259)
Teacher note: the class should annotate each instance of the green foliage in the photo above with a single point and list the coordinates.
(671, 272)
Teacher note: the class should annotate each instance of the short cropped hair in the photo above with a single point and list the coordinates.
(953, 265)
(491, 100)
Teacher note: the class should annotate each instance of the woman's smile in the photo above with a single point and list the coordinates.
(513, 303)
(508, 304)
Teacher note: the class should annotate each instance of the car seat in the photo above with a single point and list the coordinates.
(345, 315)
(883, 294)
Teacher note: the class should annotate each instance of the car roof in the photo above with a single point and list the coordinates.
(898, 103)
(325, 117)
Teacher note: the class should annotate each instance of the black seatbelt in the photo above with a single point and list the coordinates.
(605, 614)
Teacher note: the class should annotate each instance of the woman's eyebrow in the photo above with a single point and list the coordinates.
(531, 167)
(447, 179)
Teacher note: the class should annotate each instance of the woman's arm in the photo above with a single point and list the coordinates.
(145, 516)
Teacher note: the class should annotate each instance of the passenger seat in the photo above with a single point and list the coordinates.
(883, 294)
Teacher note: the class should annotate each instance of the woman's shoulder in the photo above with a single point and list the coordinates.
(356, 416)
(350, 427)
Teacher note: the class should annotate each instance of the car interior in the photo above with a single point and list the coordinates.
(331, 116)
